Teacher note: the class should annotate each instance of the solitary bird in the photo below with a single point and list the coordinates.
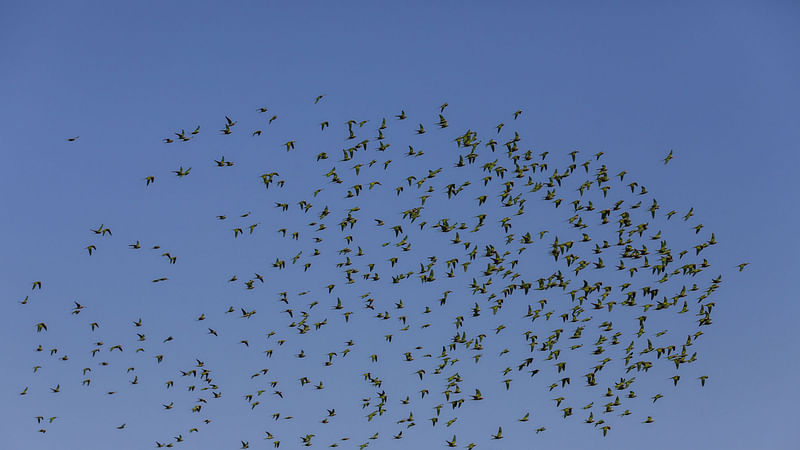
(668, 158)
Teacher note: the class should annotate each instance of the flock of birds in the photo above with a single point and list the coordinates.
(442, 285)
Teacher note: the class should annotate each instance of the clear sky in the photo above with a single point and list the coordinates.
(713, 82)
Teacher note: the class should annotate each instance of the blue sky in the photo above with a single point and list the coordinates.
(714, 82)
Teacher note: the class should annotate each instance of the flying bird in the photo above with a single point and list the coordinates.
(668, 158)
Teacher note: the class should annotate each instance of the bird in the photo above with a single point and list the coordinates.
(668, 158)
(181, 172)
(222, 163)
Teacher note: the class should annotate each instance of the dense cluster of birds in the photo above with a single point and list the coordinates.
(433, 288)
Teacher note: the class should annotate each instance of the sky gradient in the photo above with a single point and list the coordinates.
(716, 83)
